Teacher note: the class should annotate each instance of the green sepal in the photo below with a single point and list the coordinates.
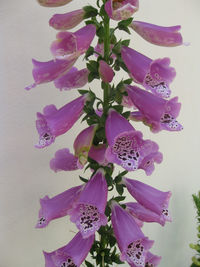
(90, 11)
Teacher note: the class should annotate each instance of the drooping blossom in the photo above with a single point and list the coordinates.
(68, 20)
(71, 255)
(149, 197)
(152, 260)
(53, 3)
(54, 122)
(158, 113)
(97, 153)
(106, 72)
(126, 146)
(132, 243)
(73, 79)
(88, 214)
(154, 75)
(58, 206)
(44, 72)
(121, 9)
(145, 215)
(158, 35)
(71, 45)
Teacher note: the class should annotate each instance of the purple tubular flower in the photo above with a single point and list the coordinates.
(159, 113)
(55, 122)
(71, 45)
(106, 72)
(97, 153)
(83, 143)
(121, 9)
(44, 72)
(53, 3)
(152, 260)
(154, 75)
(149, 197)
(64, 161)
(145, 215)
(88, 214)
(158, 35)
(68, 20)
(131, 241)
(58, 206)
(126, 146)
(73, 79)
(73, 254)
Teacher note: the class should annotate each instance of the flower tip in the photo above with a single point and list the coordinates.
(29, 87)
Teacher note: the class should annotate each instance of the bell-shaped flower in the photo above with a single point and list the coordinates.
(158, 113)
(158, 35)
(106, 72)
(126, 146)
(73, 254)
(71, 45)
(73, 79)
(152, 260)
(131, 241)
(44, 72)
(121, 9)
(58, 206)
(149, 197)
(88, 214)
(68, 20)
(145, 215)
(66, 161)
(97, 153)
(154, 75)
(54, 122)
(53, 3)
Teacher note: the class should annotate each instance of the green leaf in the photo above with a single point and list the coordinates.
(124, 28)
(109, 179)
(125, 22)
(125, 42)
(83, 179)
(83, 92)
(89, 52)
(126, 114)
(118, 108)
(93, 66)
(128, 81)
(119, 198)
(120, 189)
(88, 264)
(90, 11)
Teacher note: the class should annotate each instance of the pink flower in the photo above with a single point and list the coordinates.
(97, 153)
(73, 254)
(154, 75)
(68, 20)
(158, 35)
(58, 206)
(126, 146)
(152, 260)
(71, 45)
(55, 122)
(88, 214)
(121, 9)
(106, 72)
(53, 3)
(132, 243)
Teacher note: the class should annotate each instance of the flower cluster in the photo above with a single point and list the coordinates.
(110, 137)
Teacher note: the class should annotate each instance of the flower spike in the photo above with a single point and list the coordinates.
(73, 254)
(88, 214)
(154, 75)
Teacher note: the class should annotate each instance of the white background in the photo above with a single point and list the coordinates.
(25, 173)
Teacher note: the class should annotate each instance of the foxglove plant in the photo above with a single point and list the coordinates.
(111, 136)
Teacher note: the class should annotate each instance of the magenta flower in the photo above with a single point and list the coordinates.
(73, 79)
(158, 35)
(131, 241)
(126, 146)
(55, 122)
(145, 215)
(44, 72)
(121, 9)
(71, 45)
(58, 206)
(73, 254)
(152, 260)
(88, 214)
(97, 153)
(106, 72)
(154, 75)
(53, 3)
(158, 113)
(68, 20)
(149, 197)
